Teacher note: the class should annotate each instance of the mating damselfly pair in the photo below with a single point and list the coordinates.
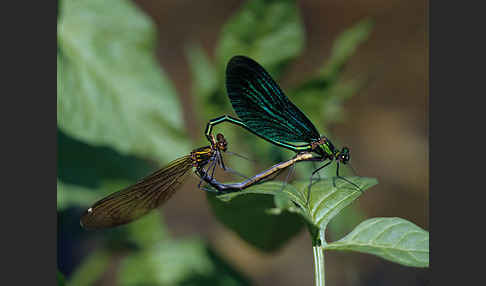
(264, 110)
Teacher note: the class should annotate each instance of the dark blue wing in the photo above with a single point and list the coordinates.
(262, 106)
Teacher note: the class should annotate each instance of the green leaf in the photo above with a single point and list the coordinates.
(268, 31)
(82, 164)
(258, 217)
(111, 91)
(329, 196)
(181, 262)
(394, 239)
(91, 269)
(243, 211)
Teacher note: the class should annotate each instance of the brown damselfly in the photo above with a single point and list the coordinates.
(135, 201)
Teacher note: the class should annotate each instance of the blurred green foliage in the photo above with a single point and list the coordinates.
(182, 262)
(324, 94)
(91, 269)
(119, 116)
(73, 195)
(270, 31)
(248, 216)
(111, 90)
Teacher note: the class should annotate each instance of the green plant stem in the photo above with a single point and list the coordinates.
(319, 265)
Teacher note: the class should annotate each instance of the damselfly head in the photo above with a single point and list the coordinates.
(343, 156)
(221, 143)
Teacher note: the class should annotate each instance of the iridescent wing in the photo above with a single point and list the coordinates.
(136, 201)
(262, 106)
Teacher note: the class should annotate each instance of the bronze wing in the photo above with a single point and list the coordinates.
(137, 200)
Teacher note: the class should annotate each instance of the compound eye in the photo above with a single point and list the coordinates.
(222, 145)
(340, 157)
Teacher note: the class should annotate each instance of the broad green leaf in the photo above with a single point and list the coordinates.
(394, 239)
(111, 90)
(179, 262)
(328, 197)
(268, 31)
(257, 216)
(59, 5)
(91, 269)
(86, 165)
(59, 73)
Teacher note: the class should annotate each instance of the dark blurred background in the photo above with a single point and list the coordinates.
(385, 125)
